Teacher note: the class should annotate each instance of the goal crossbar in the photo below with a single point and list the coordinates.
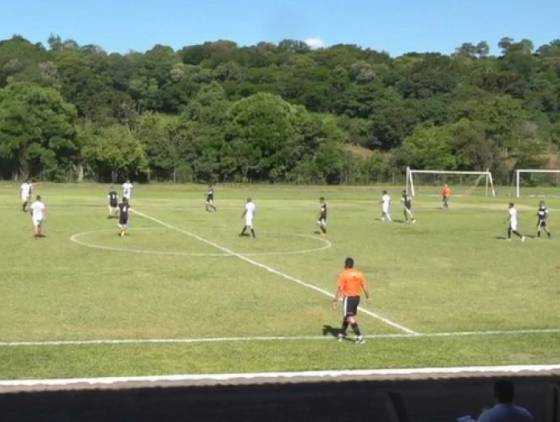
(410, 180)
(518, 173)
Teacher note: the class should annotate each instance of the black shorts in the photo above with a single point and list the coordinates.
(350, 305)
(123, 221)
(541, 223)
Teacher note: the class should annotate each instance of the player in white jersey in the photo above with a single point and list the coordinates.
(38, 212)
(25, 191)
(127, 188)
(249, 214)
(513, 222)
(385, 207)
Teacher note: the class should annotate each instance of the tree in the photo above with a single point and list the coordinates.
(37, 133)
(262, 134)
(429, 147)
(113, 153)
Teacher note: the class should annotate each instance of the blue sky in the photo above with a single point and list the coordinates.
(396, 26)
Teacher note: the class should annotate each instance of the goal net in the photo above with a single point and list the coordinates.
(430, 182)
(538, 182)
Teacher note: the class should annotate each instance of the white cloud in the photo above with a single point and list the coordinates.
(315, 43)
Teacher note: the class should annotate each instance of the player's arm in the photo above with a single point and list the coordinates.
(244, 212)
(366, 291)
(337, 296)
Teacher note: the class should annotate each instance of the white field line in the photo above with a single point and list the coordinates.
(101, 342)
(293, 376)
(272, 270)
(76, 238)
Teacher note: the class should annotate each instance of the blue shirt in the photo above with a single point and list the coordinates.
(503, 412)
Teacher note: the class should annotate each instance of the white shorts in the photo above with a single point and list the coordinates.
(513, 225)
(249, 221)
(322, 222)
(25, 198)
(37, 222)
(385, 210)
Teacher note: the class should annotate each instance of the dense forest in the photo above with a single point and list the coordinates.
(274, 112)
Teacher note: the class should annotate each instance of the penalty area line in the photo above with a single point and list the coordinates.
(101, 342)
(270, 270)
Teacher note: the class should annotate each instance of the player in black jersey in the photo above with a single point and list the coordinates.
(542, 214)
(113, 206)
(124, 216)
(322, 221)
(210, 199)
(407, 211)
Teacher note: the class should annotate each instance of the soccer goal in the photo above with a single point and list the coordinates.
(466, 182)
(536, 177)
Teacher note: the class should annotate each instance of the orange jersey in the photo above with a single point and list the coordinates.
(446, 191)
(351, 282)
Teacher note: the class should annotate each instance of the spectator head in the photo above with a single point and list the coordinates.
(504, 391)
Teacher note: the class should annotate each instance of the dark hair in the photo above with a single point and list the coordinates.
(38, 197)
(504, 391)
(511, 204)
(384, 192)
(322, 198)
(348, 263)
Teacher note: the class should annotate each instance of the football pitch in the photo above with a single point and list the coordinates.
(184, 294)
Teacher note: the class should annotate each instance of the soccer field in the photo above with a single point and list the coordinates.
(184, 294)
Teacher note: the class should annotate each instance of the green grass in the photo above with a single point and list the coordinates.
(448, 273)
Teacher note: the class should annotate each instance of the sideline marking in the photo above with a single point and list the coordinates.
(76, 239)
(274, 376)
(95, 342)
(271, 270)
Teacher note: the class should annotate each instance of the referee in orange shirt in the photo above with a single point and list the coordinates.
(351, 282)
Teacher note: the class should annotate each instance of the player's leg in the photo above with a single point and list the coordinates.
(411, 216)
(354, 302)
(545, 228)
(323, 225)
(519, 235)
(387, 213)
(37, 229)
(252, 228)
(344, 326)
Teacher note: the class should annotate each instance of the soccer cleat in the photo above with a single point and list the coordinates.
(523, 238)
(341, 336)
(360, 340)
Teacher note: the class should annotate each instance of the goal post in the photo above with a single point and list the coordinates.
(519, 172)
(486, 175)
